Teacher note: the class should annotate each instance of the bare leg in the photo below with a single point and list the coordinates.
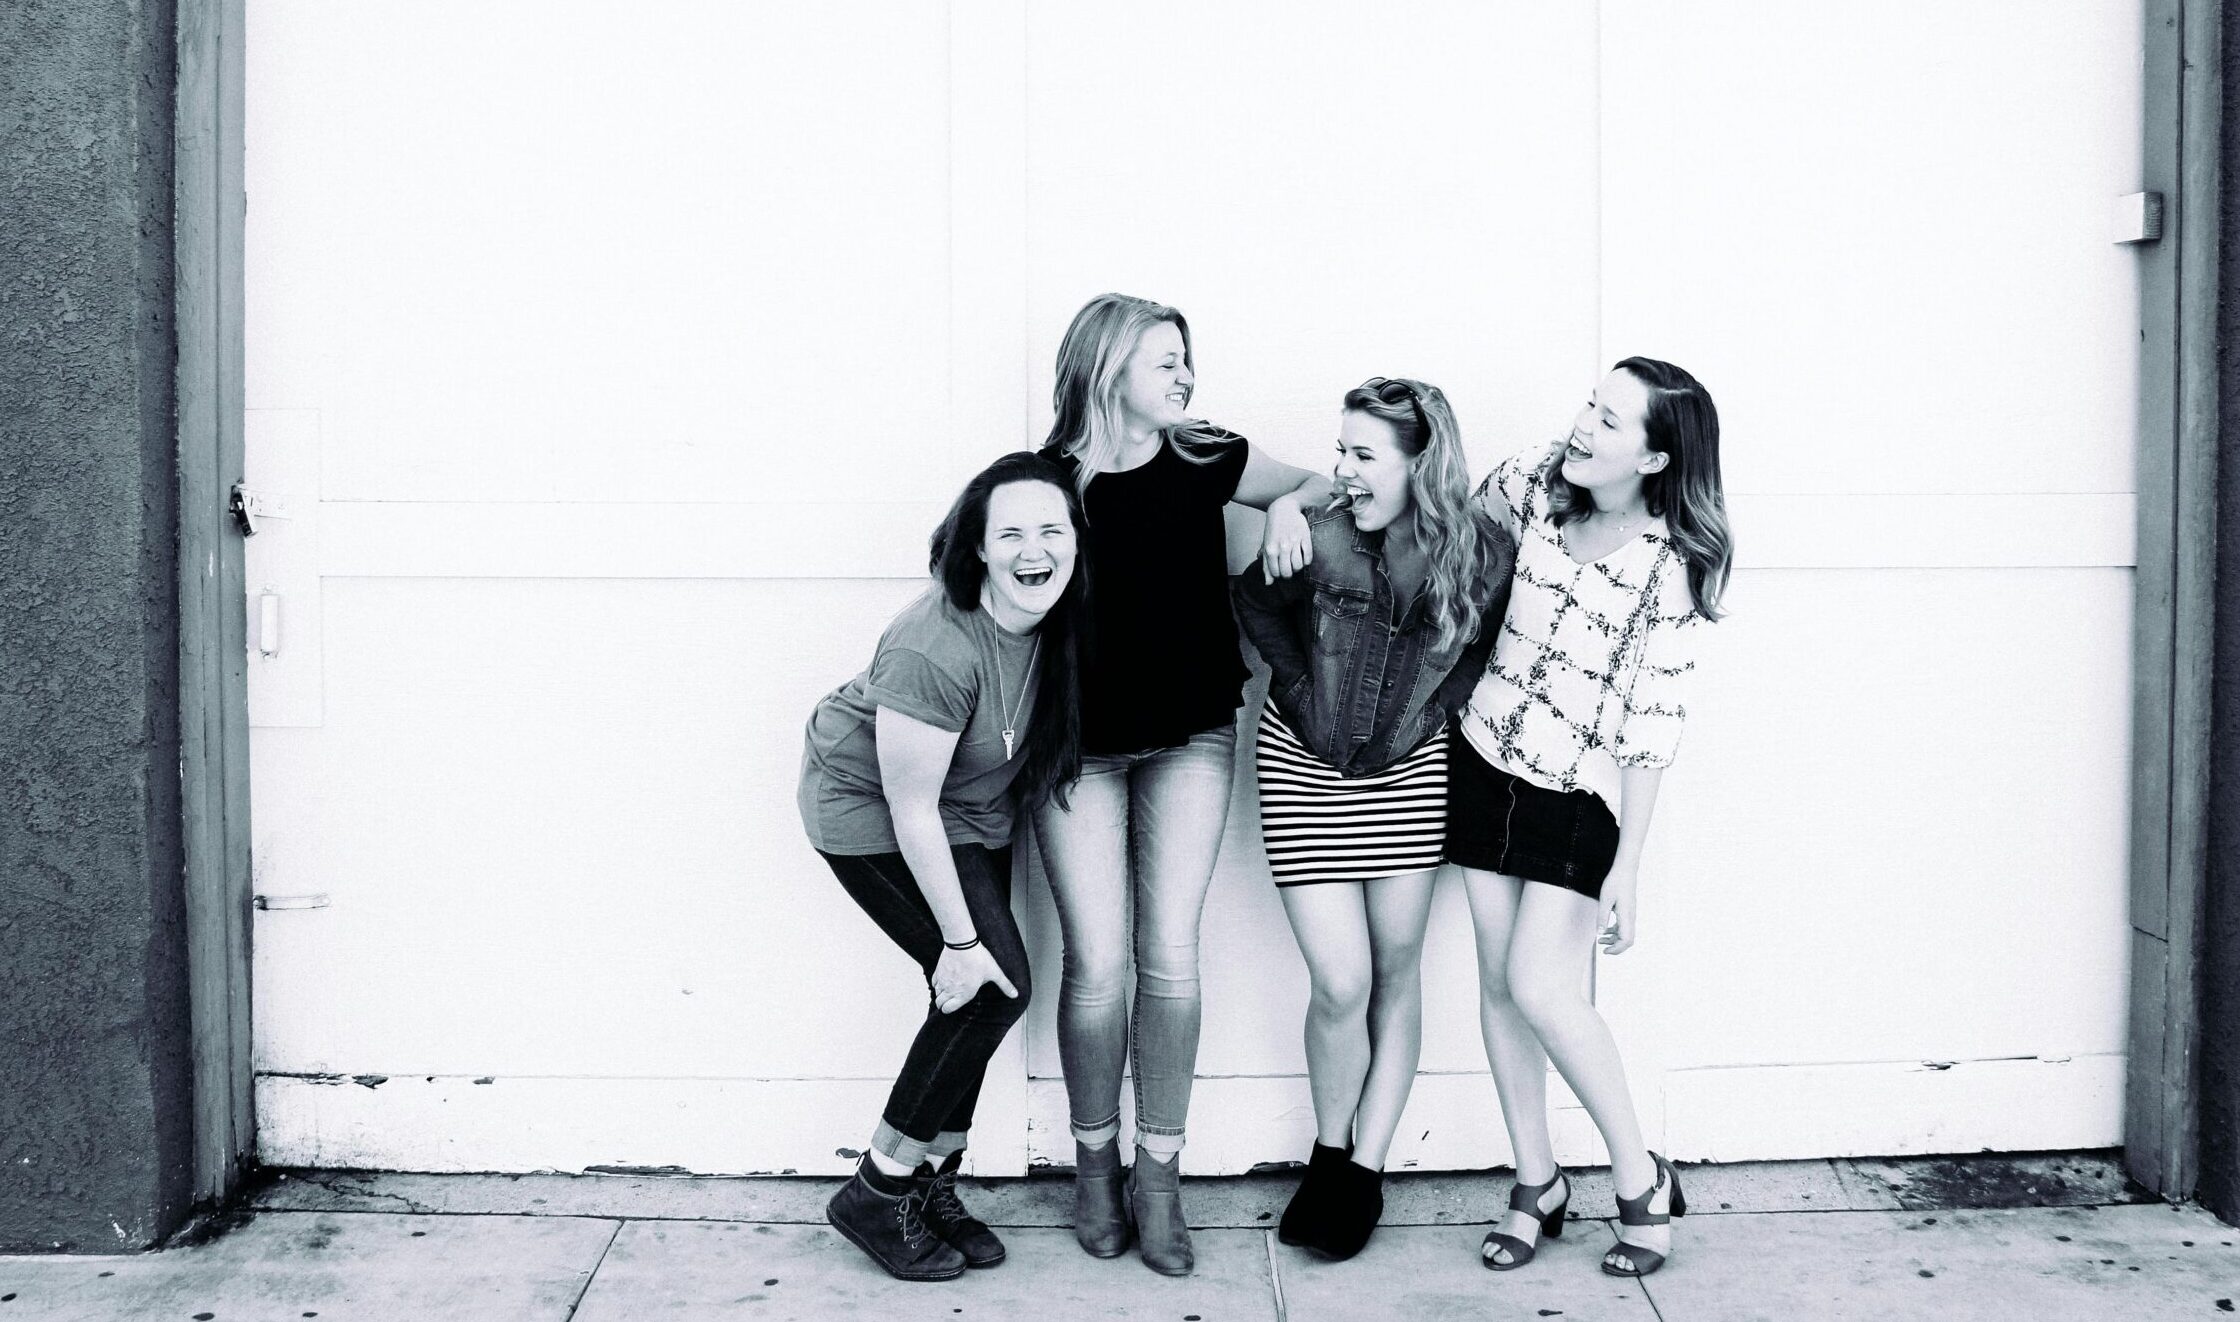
(1398, 908)
(1553, 935)
(1520, 1064)
(1332, 926)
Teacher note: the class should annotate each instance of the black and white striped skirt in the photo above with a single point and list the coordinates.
(1321, 826)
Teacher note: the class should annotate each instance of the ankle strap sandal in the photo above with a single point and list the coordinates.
(1526, 1198)
(1629, 1259)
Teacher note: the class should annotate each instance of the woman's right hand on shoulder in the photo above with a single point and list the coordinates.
(960, 974)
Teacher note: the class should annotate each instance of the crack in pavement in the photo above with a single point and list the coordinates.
(340, 1184)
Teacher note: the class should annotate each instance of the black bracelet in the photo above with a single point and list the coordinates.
(962, 945)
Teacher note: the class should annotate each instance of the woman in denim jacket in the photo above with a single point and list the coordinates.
(1371, 650)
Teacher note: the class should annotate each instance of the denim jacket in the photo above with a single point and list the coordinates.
(1352, 669)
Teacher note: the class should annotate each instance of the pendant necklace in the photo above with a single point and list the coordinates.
(1011, 716)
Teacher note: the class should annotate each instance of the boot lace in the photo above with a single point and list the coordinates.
(943, 1207)
(909, 1214)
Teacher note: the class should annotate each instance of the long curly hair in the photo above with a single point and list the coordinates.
(1443, 520)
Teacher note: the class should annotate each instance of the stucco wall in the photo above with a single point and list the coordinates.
(94, 1114)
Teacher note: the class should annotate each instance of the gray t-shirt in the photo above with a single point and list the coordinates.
(954, 670)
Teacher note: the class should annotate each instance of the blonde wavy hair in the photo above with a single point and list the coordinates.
(1454, 538)
(1086, 397)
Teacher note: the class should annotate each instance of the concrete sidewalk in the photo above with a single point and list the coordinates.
(2041, 1238)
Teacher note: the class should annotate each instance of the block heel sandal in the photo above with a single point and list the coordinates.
(1526, 1198)
(1639, 1261)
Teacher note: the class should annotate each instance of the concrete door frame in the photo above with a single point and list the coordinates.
(211, 207)
(2175, 633)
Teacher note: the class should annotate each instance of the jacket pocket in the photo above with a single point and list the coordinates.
(1339, 603)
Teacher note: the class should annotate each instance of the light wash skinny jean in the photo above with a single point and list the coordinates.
(1129, 865)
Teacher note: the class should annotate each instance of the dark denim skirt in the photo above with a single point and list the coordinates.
(1498, 823)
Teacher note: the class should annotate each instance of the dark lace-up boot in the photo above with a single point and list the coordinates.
(885, 1216)
(957, 1227)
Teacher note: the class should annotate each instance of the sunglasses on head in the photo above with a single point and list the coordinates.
(1392, 389)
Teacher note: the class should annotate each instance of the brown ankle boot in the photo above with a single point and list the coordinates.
(1100, 1199)
(1155, 1197)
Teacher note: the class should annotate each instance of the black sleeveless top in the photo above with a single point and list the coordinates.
(1161, 662)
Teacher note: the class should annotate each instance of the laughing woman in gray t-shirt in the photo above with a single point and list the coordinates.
(910, 783)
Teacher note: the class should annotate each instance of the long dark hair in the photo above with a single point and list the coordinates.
(1445, 526)
(1053, 752)
(1084, 399)
(1686, 492)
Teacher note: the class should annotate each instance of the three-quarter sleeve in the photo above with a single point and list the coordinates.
(1655, 709)
(1515, 493)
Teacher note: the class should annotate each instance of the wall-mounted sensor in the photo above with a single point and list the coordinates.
(2138, 218)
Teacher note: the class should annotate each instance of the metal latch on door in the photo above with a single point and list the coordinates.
(317, 900)
(247, 506)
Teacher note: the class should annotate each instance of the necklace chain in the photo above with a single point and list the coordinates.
(1011, 715)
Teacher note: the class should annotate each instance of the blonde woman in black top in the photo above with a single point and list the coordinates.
(1131, 857)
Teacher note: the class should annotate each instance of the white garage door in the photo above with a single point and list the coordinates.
(605, 378)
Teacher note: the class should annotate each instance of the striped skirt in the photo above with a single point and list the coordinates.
(1321, 826)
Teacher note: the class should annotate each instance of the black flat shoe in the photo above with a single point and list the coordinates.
(1303, 1215)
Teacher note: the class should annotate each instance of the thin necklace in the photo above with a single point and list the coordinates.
(1629, 520)
(1011, 716)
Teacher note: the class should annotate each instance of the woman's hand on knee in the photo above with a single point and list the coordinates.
(1619, 909)
(960, 975)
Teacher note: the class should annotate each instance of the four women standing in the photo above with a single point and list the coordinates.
(1124, 751)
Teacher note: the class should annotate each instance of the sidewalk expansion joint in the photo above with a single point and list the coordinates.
(1275, 1275)
(593, 1274)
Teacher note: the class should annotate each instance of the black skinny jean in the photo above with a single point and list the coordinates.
(934, 1096)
